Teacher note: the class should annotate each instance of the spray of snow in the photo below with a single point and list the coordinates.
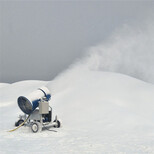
(130, 50)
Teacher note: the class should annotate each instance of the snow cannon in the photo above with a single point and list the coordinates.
(29, 103)
(37, 111)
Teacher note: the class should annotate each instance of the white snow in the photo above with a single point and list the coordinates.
(101, 112)
(3, 85)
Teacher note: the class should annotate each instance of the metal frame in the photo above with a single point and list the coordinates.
(37, 119)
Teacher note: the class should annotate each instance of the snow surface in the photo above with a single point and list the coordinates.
(101, 112)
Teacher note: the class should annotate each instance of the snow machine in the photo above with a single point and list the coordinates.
(37, 112)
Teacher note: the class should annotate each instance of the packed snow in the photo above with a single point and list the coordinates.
(100, 112)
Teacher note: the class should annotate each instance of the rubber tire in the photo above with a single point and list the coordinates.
(19, 122)
(58, 124)
(35, 127)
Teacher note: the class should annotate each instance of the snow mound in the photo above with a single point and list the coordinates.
(3, 85)
(101, 112)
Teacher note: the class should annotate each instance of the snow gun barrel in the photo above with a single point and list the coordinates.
(29, 103)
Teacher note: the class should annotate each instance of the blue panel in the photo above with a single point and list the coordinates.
(35, 104)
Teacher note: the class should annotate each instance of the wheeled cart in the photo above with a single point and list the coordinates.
(38, 113)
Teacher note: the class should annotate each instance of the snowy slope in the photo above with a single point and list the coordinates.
(101, 112)
(3, 85)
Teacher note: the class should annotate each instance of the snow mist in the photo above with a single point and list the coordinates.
(130, 50)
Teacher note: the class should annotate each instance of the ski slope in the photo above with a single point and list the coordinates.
(101, 112)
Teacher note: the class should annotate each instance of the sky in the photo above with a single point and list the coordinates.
(39, 39)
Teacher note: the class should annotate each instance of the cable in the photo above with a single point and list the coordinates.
(19, 125)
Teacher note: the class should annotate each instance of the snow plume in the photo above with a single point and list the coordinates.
(130, 50)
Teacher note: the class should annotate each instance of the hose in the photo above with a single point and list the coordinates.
(19, 125)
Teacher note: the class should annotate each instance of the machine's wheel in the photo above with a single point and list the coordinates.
(19, 122)
(35, 127)
(58, 123)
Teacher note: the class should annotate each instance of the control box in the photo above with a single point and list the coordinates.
(43, 107)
